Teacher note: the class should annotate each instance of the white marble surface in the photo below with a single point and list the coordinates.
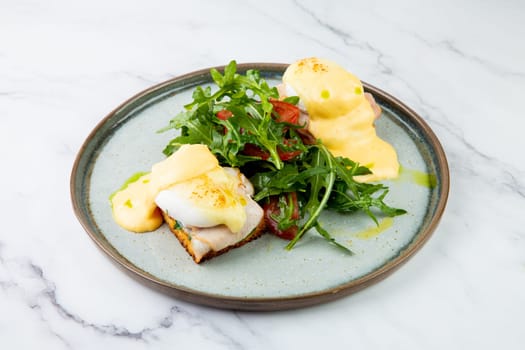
(63, 66)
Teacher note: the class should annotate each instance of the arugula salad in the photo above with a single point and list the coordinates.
(246, 125)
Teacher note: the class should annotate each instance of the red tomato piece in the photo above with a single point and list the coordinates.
(255, 151)
(287, 155)
(224, 114)
(285, 112)
(273, 208)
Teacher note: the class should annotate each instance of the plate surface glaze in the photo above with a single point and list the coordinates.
(261, 275)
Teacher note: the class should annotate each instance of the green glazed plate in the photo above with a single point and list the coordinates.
(261, 275)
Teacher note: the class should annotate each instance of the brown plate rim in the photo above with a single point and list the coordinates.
(270, 303)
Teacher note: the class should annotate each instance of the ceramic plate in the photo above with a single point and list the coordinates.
(261, 275)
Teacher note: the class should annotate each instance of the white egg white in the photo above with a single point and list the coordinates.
(207, 225)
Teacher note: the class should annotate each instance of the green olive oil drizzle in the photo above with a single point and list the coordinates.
(133, 178)
(417, 177)
(376, 230)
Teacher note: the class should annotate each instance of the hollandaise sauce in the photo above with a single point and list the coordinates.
(341, 116)
(134, 207)
(194, 177)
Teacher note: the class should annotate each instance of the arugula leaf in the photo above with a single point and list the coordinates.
(330, 239)
(320, 180)
(320, 190)
(247, 97)
(292, 99)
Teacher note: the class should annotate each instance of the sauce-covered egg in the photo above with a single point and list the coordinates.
(341, 116)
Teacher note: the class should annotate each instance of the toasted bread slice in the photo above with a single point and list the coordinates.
(186, 241)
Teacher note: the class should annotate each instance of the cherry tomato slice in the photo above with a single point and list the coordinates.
(287, 155)
(272, 208)
(285, 112)
(224, 114)
(255, 151)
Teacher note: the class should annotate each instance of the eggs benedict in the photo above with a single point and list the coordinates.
(209, 208)
(340, 115)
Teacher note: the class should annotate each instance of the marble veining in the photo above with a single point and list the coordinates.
(347, 38)
(64, 66)
(44, 301)
(489, 66)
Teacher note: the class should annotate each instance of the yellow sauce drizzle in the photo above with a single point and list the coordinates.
(418, 177)
(374, 231)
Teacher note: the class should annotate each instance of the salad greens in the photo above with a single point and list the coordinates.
(245, 125)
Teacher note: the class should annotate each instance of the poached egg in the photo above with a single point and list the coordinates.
(191, 187)
(340, 115)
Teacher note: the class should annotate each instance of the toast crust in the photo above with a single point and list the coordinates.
(185, 241)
